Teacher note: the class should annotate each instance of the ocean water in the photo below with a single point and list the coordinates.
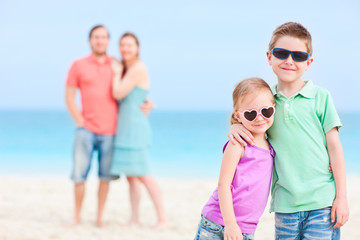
(186, 144)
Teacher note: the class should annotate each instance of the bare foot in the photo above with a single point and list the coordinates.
(99, 224)
(132, 222)
(74, 223)
(161, 224)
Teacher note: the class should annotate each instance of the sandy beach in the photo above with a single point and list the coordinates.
(40, 208)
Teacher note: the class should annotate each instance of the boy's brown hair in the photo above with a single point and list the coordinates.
(292, 29)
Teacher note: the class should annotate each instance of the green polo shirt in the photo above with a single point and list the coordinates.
(301, 178)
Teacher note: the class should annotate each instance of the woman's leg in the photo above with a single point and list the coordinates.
(155, 193)
(135, 195)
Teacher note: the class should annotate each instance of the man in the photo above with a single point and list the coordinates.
(96, 123)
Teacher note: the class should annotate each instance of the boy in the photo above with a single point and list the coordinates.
(309, 201)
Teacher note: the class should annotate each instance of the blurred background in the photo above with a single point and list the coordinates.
(195, 51)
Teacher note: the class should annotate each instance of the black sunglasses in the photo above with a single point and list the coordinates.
(297, 56)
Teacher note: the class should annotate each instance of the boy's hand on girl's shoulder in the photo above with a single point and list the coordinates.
(330, 168)
(237, 134)
(340, 209)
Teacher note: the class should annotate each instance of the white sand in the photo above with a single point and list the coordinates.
(39, 208)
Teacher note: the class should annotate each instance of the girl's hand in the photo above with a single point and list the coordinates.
(237, 131)
(116, 66)
(232, 232)
(340, 209)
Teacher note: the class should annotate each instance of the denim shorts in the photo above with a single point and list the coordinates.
(307, 225)
(209, 230)
(86, 142)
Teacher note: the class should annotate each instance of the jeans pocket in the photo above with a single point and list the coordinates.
(211, 226)
(248, 236)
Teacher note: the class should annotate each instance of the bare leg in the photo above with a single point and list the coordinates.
(155, 193)
(102, 195)
(135, 195)
(79, 197)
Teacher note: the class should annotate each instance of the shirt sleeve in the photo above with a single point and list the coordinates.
(326, 110)
(72, 79)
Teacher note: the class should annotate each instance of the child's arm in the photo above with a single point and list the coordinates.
(231, 158)
(237, 132)
(340, 206)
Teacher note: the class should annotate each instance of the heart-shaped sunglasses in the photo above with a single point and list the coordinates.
(251, 115)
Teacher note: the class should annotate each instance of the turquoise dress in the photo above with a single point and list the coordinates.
(133, 136)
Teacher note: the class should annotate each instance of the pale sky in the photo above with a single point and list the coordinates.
(195, 51)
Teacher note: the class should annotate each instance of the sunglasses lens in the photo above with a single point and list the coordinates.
(267, 112)
(281, 53)
(250, 115)
(297, 56)
(300, 56)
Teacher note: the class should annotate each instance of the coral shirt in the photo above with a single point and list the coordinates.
(94, 79)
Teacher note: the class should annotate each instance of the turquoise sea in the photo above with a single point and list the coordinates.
(186, 144)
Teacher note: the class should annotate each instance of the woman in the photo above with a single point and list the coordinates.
(131, 86)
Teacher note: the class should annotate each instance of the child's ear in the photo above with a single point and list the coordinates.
(268, 56)
(309, 62)
(236, 116)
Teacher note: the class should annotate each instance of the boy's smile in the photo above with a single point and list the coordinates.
(288, 69)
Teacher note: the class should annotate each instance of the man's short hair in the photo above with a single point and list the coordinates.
(96, 27)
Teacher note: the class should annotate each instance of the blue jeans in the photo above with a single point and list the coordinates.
(307, 225)
(209, 230)
(86, 142)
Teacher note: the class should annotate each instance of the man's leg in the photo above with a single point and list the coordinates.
(83, 149)
(79, 197)
(105, 150)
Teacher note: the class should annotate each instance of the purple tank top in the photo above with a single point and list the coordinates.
(250, 189)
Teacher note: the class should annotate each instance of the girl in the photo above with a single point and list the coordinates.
(235, 207)
(130, 87)
(309, 202)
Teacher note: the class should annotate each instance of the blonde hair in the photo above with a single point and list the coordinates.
(245, 87)
(292, 29)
